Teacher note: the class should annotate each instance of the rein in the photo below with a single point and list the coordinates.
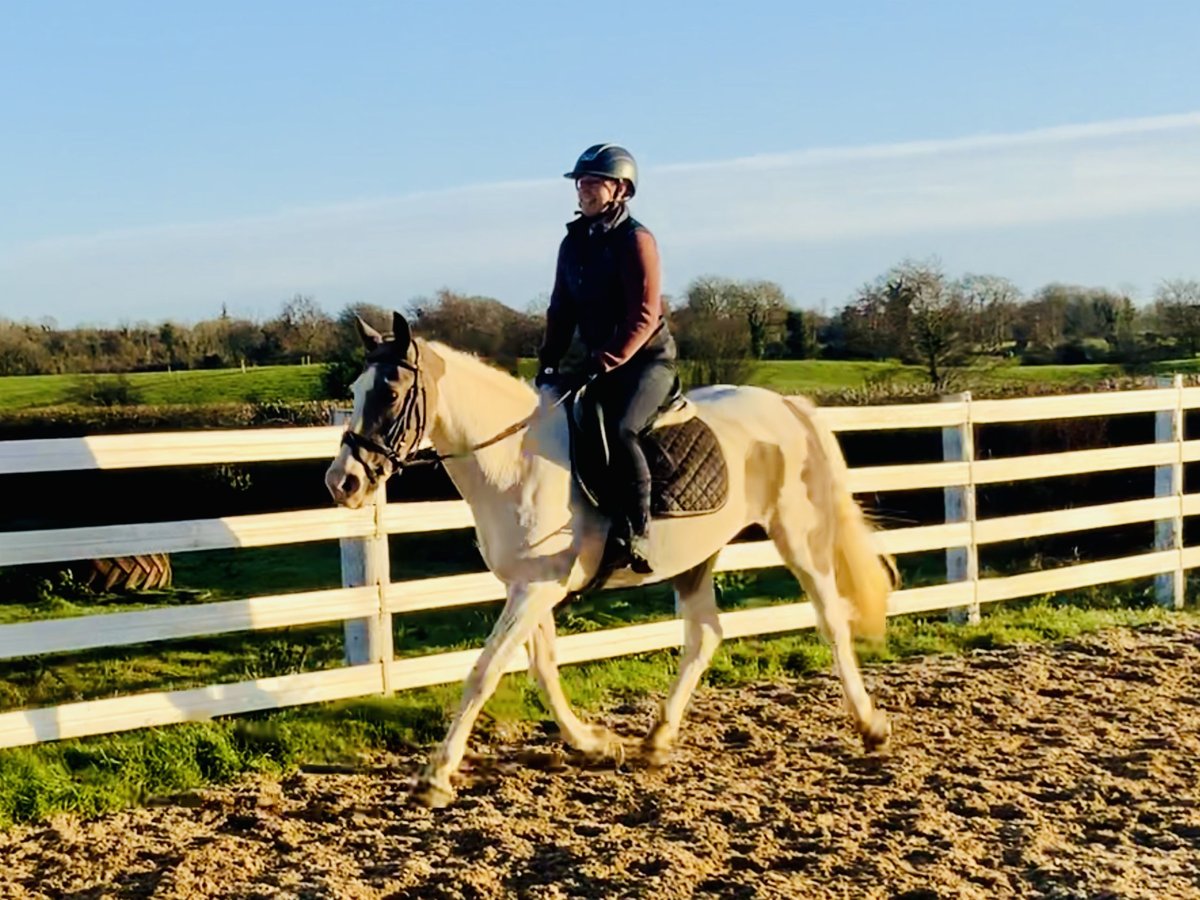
(414, 407)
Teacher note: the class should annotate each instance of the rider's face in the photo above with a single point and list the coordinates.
(596, 193)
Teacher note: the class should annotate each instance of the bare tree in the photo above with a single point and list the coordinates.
(480, 325)
(713, 333)
(990, 305)
(304, 329)
(1177, 302)
(765, 307)
(935, 316)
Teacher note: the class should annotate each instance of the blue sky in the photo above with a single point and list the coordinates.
(160, 160)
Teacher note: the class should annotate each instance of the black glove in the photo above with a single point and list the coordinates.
(547, 376)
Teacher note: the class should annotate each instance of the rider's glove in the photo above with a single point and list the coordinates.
(546, 376)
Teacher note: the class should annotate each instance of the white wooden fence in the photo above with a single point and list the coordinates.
(370, 599)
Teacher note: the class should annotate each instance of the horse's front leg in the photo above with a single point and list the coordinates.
(525, 607)
(590, 739)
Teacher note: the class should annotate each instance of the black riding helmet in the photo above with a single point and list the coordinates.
(607, 161)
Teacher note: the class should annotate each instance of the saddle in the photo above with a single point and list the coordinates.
(689, 475)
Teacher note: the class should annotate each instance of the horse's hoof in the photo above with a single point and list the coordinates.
(656, 748)
(616, 752)
(602, 744)
(876, 735)
(433, 796)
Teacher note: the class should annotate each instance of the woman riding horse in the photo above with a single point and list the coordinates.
(608, 286)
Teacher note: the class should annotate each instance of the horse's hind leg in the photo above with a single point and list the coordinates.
(833, 618)
(593, 740)
(702, 637)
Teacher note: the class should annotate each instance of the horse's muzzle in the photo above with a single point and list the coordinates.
(345, 487)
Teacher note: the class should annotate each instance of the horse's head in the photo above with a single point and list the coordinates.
(389, 419)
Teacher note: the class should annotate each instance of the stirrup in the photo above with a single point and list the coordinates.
(639, 560)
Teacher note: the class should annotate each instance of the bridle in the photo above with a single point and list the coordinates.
(413, 414)
(412, 418)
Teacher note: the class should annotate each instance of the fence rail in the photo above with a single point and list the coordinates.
(369, 599)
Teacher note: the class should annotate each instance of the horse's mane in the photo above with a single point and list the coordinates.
(505, 391)
(517, 388)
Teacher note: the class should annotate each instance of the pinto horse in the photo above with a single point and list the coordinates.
(506, 448)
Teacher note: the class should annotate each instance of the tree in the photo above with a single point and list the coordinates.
(1125, 334)
(765, 307)
(935, 316)
(1177, 302)
(803, 328)
(990, 305)
(751, 311)
(480, 325)
(878, 323)
(859, 330)
(713, 334)
(20, 351)
(168, 337)
(303, 329)
(1041, 322)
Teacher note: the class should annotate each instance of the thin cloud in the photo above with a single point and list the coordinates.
(1059, 134)
(501, 238)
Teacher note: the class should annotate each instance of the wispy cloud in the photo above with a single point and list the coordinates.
(501, 238)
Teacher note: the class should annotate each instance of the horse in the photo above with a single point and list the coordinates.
(505, 447)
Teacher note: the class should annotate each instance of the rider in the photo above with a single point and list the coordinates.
(607, 285)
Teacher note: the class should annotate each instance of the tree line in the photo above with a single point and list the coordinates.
(913, 313)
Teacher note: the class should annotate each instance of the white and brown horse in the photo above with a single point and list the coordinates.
(538, 535)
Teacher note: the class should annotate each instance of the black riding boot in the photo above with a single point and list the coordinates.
(639, 529)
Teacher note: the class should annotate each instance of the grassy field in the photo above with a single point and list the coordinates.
(197, 386)
(304, 382)
(815, 376)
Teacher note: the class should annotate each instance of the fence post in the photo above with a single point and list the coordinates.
(1168, 482)
(962, 563)
(366, 561)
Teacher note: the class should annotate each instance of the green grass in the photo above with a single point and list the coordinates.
(801, 376)
(188, 387)
(94, 775)
(304, 382)
(815, 376)
(1049, 374)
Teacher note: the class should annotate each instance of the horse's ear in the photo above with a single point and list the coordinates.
(401, 334)
(370, 337)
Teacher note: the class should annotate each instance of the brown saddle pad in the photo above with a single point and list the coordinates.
(688, 469)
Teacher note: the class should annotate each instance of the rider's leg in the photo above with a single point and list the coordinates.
(645, 391)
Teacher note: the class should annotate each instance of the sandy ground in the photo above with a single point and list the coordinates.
(1065, 771)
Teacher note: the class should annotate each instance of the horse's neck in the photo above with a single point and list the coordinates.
(474, 404)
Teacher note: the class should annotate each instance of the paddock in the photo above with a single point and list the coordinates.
(1066, 770)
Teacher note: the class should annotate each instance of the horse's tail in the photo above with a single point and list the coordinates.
(865, 575)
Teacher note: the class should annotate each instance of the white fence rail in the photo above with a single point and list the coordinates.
(369, 599)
